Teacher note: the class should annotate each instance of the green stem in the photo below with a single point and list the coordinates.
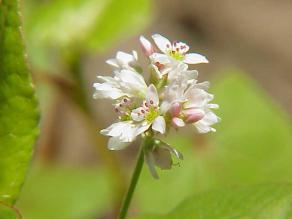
(134, 180)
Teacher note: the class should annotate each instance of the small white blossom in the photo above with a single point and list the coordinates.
(177, 50)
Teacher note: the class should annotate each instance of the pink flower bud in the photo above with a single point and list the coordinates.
(193, 115)
(175, 109)
(146, 46)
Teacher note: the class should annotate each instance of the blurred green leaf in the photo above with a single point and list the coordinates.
(61, 192)
(253, 144)
(18, 109)
(60, 25)
(8, 213)
(257, 202)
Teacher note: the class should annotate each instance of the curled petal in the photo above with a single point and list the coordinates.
(159, 124)
(146, 46)
(177, 122)
(194, 58)
(161, 42)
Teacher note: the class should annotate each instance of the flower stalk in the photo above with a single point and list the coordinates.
(135, 177)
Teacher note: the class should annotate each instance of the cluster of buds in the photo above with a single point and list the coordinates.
(171, 98)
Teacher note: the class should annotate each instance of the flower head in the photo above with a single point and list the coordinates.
(171, 98)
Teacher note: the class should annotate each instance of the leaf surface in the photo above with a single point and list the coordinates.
(19, 113)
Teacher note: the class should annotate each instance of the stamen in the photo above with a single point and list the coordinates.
(143, 111)
(151, 102)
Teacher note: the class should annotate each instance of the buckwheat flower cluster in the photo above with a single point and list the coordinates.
(171, 98)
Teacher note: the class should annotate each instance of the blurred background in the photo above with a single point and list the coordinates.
(249, 46)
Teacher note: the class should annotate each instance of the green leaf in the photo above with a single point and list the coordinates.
(59, 25)
(61, 192)
(18, 109)
(257, 202)
(253, 144)
(8, 213)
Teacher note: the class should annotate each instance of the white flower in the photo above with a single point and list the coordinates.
(125, 83)
(123, 60)
(177, 50)
(149, 113)
(137, 121)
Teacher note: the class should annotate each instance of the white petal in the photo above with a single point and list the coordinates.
(107, 90)
(137, 114)
(143, 127)
(114, 143)
(129, 133)
(115, 129)
(204, 125)
(177, 122)
(183, 48)
(194, 58)
(197, 98)
(133, 81)
(161, 58)
(135, 55)
(203, 85)
(159, 124)
(161, 42)
(124, 58)
(165, 106)
(113, 62)
(152, 95)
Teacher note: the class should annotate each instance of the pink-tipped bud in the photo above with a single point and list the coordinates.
(175, 109)
(146, 46)
(193, 115)
(177, 122)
